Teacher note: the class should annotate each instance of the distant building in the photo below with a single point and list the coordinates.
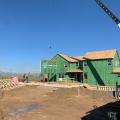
(95, 68)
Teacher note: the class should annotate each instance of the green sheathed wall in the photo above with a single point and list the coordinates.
(56, 68)
(100, 73)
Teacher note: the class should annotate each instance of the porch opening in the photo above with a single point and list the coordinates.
(77, 75)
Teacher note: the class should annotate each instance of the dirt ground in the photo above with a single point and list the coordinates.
(53, 103)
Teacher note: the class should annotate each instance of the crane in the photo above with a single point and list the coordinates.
(112, 16)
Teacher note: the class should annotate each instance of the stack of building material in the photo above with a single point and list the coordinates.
(7, 84)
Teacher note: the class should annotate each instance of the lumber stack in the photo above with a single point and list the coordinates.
(6, 84)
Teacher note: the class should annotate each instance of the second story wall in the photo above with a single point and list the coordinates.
(63, 65)
(99, 72)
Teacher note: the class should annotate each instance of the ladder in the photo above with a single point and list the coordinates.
(109, 13)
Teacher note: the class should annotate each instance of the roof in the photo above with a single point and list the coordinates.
(69, 59)
(81, 58)
(117, 70)
(106, 54)
(75, 71)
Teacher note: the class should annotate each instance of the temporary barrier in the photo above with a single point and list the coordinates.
(106, 88)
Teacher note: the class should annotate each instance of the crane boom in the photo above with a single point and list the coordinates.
(116, 20)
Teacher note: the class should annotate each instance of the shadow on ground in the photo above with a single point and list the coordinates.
(110, 111)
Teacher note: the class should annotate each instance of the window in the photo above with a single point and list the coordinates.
(85, 76)
(55, 64)
(109, 61)
(118, 75)
(78, 64)
(66, 64)
(85, 63)
(61, 75)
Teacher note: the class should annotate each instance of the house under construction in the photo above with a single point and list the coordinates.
(95, 68)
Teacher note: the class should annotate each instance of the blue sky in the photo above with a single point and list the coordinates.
(29, 27)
